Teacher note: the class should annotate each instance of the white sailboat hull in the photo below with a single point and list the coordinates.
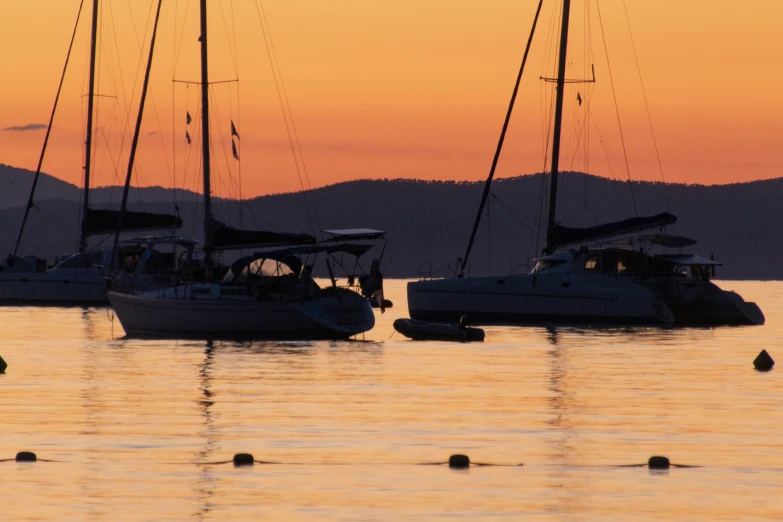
(53, 288)
(206, 316)
(537, 299)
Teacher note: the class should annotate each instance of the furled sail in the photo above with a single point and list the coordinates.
(225, 237)
(562, 236)
(105, 221)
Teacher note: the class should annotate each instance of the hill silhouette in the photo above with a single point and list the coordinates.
(431, 221)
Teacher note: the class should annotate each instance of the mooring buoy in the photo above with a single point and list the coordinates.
(459, 461)
(3, 365)
(658, 463)
(243, 459)
(26, 456)
(763, 362)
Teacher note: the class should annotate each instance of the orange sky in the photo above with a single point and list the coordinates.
(400, 88)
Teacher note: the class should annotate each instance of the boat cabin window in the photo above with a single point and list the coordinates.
(546, 264)
(591, 263)
(259, 268)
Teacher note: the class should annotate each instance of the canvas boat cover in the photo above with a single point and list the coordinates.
(105, 221)
(562, 236)
(355, 233)
(225, 237)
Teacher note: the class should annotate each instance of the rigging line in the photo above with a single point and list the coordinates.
(231, 51)
(216, 114)
(152, 96)
(646, 106)
(285, 119)
(236, 71)
(290, 116)
(126, 100)
(616, 107)
(48, 132)
(57, 218)
(518, 216)
(232, 187)
(137, 131)
(173, 108)
(499, 148)
(178, 48)
(489, 239)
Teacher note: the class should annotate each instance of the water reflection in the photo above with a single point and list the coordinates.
(208, 480)
(128, 421)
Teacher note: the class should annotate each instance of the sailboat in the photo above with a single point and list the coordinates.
(80, 278)
(267, 294)
(606, 274)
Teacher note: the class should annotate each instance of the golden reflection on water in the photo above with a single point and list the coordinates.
(131, 422)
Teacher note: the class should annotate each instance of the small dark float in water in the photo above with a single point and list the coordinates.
(763, 362)
(243, 459)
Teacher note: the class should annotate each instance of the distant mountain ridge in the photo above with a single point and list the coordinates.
(431, 221)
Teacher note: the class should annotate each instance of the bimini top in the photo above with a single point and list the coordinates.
(345, 234)
(688, 260)
(563, 236)
(289, 256)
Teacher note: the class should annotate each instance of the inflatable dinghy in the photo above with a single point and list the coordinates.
(424, 331)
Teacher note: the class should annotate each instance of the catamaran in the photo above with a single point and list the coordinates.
(270, 293)
(608, 274)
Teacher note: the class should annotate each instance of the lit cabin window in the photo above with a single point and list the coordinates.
(546, 264)
(591, 263)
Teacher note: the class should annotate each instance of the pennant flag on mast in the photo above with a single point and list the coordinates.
(187, 137)
(579, 98)
(234, 150)
(234, 130)
(188, 119)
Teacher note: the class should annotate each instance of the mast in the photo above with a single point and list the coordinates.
(88, 142)
(136, 132)
(48, 132)
(558, 125)
(205, 134)
(488, 183)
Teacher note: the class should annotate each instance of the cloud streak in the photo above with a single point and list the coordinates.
(25, 128)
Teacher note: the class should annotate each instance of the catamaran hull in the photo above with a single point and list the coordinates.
(702, 303)
(46, 288)
(211, 318)
(537, 300)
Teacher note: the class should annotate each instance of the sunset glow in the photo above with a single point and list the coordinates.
(398, 89)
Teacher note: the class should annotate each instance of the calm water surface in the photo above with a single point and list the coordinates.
(131, 423)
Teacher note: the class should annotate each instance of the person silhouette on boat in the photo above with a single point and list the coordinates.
(372, 285)
(305, 287)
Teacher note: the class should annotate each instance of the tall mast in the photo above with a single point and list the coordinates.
(48, 132)
(558, 125)
(88, 142)
(136, 132)
(205, 132)
(488, 183)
